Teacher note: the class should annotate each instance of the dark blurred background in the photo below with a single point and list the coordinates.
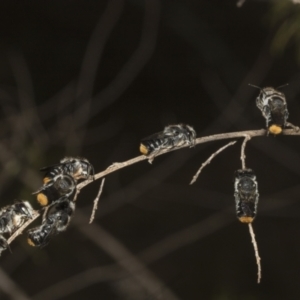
(92, 78)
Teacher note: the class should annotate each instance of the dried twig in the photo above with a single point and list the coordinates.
(9, 287)
(117, 166)
(256, 252)
(96, 201)
(208, 161)
(243, 156)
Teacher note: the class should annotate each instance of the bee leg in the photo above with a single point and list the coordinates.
(152, 156)
(3, 244)
(44, 187)
(151, 159)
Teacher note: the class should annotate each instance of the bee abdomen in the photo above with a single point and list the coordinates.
(149, 146)
(246, 195)
(246, 211)
(38, 237)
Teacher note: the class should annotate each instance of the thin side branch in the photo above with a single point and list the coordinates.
(256, 252)
(208, 161)
(117, 166)
(96, 201)
(243, 156)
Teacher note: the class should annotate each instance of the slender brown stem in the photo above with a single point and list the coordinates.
(96, 201)
(117, 166)
(256, 252)
(243, 156)
(208, 161)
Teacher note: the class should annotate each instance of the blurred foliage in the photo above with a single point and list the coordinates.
(286, 15)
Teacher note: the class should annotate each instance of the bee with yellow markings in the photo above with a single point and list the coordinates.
(273, 106)
(246, 195)
(77, 167)
(56, 188)
(3, 244)
(60, 180)
(12, 217)
(173, 136)
(55, 220)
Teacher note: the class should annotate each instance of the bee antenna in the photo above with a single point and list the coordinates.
(281, 86)
(255, 86)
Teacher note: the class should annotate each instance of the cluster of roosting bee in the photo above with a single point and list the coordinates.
(57, 193)
(272, 104)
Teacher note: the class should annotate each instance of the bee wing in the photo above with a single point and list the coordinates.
(44, 187)
(45, 169)
(158, 135)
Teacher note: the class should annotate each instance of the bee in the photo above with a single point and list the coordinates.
(273, 106)
(246, 195)
(14, 216)
(58, 187)
(173, 136)
(55, 220)
(3, 244)
(77, 167)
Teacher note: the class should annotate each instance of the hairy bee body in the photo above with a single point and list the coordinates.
(60, 186)
(273, 106)
(246, 195)
(173, 136)
(77, 167)
(3, 244)
(56, 220)
(60, 180)
(13, 216)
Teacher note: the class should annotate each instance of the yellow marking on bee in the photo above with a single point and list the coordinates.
(275, 129)
(143, 149)
(30, 242)
(42, 199)
(246, 219)
(46, 179)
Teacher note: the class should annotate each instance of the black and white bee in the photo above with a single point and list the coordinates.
(77, 167)
(14, 216)
(246, 195)
(3, 244)
(273, 106)
(56, 188)
(173, 136)
(55, 220)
